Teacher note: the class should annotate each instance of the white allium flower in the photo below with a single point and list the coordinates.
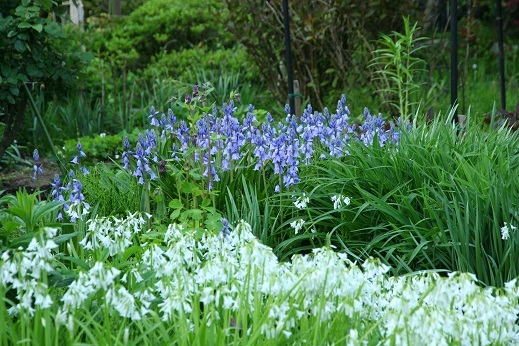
(297, 225)
(112, 233)
(301, 202)
(340, 200)
(505, 230)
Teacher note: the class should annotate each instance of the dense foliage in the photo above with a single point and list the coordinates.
(30, 56)
(218, 222)
(331, 41)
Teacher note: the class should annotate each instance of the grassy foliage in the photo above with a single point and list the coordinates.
(438, 201)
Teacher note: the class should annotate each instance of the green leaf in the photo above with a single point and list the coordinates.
(22, 241)
(175, 204)
(19, 46)
(130, 251)
(14, 90)
(175, 214)
(33, 9)
(38, 27)
(47, 4)
(195, 214)
(11, 34)
(75, 260)
(53, 29)
(24, 25)
(32, 70)
(65, 282)
(60, 239)
(85, 56)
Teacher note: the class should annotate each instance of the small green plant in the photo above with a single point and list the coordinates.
(22, 215)
(397, 69)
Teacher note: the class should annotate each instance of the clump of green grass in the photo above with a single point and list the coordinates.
(437, 201)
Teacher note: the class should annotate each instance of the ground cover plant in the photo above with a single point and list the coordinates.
(311, 230)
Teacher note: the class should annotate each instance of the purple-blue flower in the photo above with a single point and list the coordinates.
(57, 194)
(80, 153)
(36, 165)
(152, 117)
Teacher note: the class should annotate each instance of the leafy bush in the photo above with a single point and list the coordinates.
(158, 27)
(181, 64)
(98, 148)
(31, 54)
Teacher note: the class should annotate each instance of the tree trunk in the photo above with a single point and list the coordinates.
(13, 115)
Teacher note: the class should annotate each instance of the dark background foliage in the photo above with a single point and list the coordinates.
(331, 41)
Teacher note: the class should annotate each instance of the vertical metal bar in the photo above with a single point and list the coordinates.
(499, 22)
(454, 56)
(289, 58)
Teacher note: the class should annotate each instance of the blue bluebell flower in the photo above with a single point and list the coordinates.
(152, 117)
(36, 164)
(80, 153)
(57, 194)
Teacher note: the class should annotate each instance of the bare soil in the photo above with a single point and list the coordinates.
(18, 177)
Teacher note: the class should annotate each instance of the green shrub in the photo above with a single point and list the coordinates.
(158, 27)
(183, 63)
(98, 148)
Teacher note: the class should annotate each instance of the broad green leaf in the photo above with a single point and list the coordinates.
(19, 45)
(14, 90)
(24, 25)
(175, 204)
(38, 27)
(175, 214)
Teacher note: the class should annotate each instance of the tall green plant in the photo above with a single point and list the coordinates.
(398, 69)
(438, 202)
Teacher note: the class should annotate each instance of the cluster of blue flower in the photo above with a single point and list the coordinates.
(76, 199)
(221, 142)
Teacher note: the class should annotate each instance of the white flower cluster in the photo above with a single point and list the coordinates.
(102, 278)
(505, 230)
(112, 233)
(237, 276)
(339, 201)
(302, 201)
(24, 271)
(297, 225)
(241, 274)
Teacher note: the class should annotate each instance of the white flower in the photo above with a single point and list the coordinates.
(339, 201)
(297, 225)
(301, 202)
(505, 231)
